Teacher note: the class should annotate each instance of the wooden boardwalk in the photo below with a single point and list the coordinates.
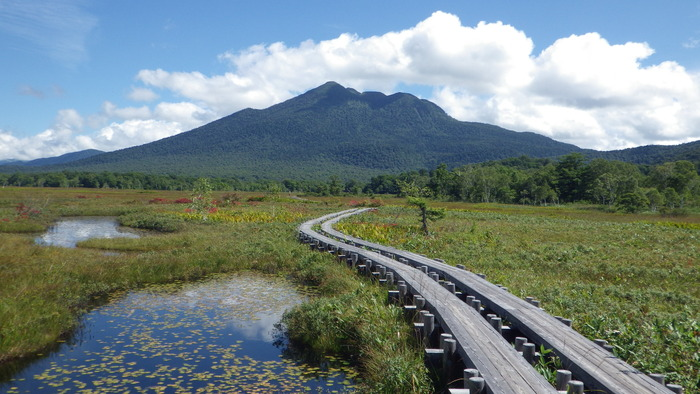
(596, 367)
(478, 345)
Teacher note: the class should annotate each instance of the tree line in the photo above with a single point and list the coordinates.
(522, 180)
(571, 178)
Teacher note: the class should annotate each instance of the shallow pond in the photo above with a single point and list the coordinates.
(68, 232)
(216, 335)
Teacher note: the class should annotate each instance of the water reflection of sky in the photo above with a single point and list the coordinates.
(68, 232)
(212, 336)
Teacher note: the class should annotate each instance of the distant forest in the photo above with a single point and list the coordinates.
(671, 186)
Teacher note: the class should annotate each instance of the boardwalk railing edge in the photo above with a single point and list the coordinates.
(466, 337)
(589, 362)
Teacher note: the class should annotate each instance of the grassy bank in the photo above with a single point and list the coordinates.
(632, 280)
(46, 289)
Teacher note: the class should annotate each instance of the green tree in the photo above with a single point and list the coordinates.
(633, 202)
(335, 186)
(656, 199)
(441, 181)
(201, 197)
(426, 213)
(569, 177)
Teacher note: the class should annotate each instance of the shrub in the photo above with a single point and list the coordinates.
(152, 221)
(24, 211)
(230, 198)
(373, 203)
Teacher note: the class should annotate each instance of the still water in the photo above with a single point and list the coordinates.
(68, 232)
(216, 335)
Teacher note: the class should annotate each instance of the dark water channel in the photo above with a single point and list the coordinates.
(215, 335)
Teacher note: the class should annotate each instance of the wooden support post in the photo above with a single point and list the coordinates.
(449, 350)
(403, 291)
(470, 373)
(409, 312)
(443, 337)
(497, 324)
(575, 387)
(433, 359)
(382, 271)
(507, 333)
(519, 343)
(563, 379)
(419, 301)
(600, 342)
(476, 304)
(434, 276)
(428, 320)
(675, 388)
(476, 385)
(389, 278)
(529, 352)
(393, 297)
(658, 377)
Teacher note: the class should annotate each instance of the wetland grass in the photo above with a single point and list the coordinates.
(632, 280)
(46, 289)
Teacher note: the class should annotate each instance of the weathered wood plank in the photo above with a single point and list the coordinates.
(478, 344)
(590, 363)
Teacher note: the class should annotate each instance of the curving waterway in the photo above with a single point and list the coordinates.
(216, 335)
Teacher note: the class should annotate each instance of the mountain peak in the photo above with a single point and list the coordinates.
(328, 130)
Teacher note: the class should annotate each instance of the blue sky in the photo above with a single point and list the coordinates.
(79, 74)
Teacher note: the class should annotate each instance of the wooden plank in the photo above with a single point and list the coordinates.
(479, 345)
(595, 366)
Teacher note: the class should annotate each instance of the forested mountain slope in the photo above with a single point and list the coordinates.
(333, 130)
(327, 130)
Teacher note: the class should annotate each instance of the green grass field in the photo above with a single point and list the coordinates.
(633, 280)
(45, 289)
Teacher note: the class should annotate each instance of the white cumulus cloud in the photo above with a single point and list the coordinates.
(142, 94)
(582, 89)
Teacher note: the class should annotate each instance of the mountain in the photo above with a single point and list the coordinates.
(46, 163)
(654, 154)
(327, 130)
(67, 158)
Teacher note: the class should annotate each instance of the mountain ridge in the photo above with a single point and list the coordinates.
(328, 130)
